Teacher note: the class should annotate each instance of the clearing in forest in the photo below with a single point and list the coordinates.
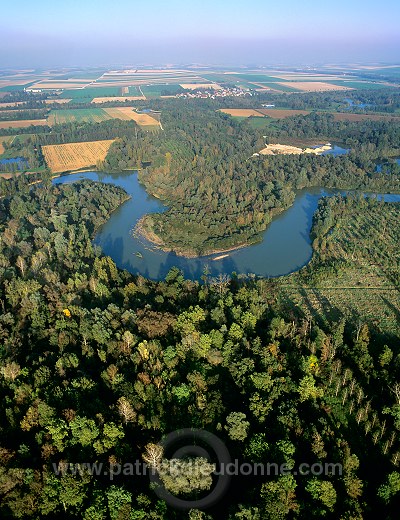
(242, 112)
(5, 139)
(275, 113)
(74, 156)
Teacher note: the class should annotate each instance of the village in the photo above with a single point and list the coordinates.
(214, 93)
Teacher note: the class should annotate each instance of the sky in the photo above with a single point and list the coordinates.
(53, 33)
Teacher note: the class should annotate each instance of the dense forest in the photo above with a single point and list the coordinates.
(97, 363)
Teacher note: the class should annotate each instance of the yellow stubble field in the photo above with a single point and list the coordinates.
(313, 86)
(23, 123)
(242, 112)
(128, 113)
(59, 101)
(75, 156)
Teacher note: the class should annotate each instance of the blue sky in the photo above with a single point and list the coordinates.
(97, 32)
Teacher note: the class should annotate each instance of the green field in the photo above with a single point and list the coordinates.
(258, 78)
(132, 91)
(88, 115)
(89, 74)
(392, 71)
(258, 122)
(249, 80)
(161, 90)
(359, 85)
(15, 88)
(85, 95)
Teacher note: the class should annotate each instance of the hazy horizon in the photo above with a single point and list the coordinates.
(98, 33)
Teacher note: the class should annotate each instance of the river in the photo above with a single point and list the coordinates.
(286, 244)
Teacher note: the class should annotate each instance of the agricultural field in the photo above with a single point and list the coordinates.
(96, 115)
(353, 270)
(360, 85)
(23, 123)
(242, 112)
(58, 84)
(315, 86)
(279, 87)
(143, 78)
(91, 74)
(128, 113)
(195, 86)
(276, 113)
(258, 122)
(120, 99)
(57, 101)
(85, 95)
(89, 115)
(293, 81)
(75, 156)
(348, 116)
(154, 91)
(131, 91)
(298, 76)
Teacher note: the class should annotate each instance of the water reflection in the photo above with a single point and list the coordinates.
(286, 244)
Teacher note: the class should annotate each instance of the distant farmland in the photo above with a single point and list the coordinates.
(314, 86)
(23, 123)
(58, 101)
(120, 99)
(360, 85)
(151, 91)
(85, 95)
(75, 156)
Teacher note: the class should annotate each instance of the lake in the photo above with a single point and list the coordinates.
(20, 163)
(286, 244)
(353, 104)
